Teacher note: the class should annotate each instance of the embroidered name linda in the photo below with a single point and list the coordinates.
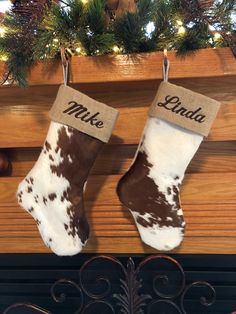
(82, 113)
(172, 103)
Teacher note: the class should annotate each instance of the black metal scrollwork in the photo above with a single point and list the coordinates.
(100, 279)
(131, 301)
(203, 299)
(139, 290)
(62, 296)
(36, 308)
(164, 278)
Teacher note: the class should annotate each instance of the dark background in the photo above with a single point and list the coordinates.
(29, 278)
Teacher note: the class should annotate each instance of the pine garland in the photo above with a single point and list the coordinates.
(36, 31)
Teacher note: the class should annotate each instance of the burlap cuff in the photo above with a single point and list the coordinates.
(83, 113)
(185, 108)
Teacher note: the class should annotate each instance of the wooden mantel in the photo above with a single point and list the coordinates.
(136, 67)
(209, 190)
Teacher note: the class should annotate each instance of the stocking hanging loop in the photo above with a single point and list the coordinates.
(65, 65)
(165, 66)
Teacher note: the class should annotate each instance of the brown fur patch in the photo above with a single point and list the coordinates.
(29, 189)
(36, 198)
(139, 193)
(52, 196)
(45, 200)
(47, 146)
(31, 209)
(51, 158)
(83, 150)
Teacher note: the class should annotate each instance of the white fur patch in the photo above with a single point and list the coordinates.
(169, 148)
(164, 238)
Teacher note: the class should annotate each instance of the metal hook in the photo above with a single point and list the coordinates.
(165, 66)
(65, 65)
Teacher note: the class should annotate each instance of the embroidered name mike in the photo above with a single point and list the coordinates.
(172, 103)
(81, 112)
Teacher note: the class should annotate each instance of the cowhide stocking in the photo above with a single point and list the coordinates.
(52, 192)
(150, 188)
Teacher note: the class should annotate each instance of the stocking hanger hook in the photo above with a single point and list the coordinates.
(65, 65)
(165, 66)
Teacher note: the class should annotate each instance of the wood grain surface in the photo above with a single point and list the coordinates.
(212, 157)
(208, 194)
(198, 188)
(15, 126)
(136, 67)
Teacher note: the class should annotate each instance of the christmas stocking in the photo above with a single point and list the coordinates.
(178, 121)
(52, 192)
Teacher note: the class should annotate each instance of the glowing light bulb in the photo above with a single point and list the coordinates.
(181, 30)
(55, 40)
(78, 49)
(2, 32)
(3, 58)
(217, 36)
(179, 23)
(116, 49)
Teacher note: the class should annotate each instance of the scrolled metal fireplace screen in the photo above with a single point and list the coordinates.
(156, 284)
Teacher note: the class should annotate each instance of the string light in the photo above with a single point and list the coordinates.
(116, 49)
(78, 49)
(217, 36)
(3, 58)
(2, 32)
(55, 40)
(181, 30)
(179, 23)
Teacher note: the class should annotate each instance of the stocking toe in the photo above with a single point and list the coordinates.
(59, 239)
(161, 238)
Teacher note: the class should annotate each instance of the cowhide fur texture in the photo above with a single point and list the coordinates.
(150, 188)
(52, 192)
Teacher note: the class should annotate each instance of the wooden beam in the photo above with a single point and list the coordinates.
(112, 245)
(210, 229)
(15, 126)
(115, 94)
(146, 66)
(115, 159)
(198, 188)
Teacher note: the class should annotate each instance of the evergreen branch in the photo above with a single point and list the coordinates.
(130, 29)
(37, 31)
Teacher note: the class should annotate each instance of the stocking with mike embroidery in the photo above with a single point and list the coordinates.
(52, 192)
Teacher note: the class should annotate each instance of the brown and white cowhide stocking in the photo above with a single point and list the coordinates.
(52, 192)
(150, 189)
